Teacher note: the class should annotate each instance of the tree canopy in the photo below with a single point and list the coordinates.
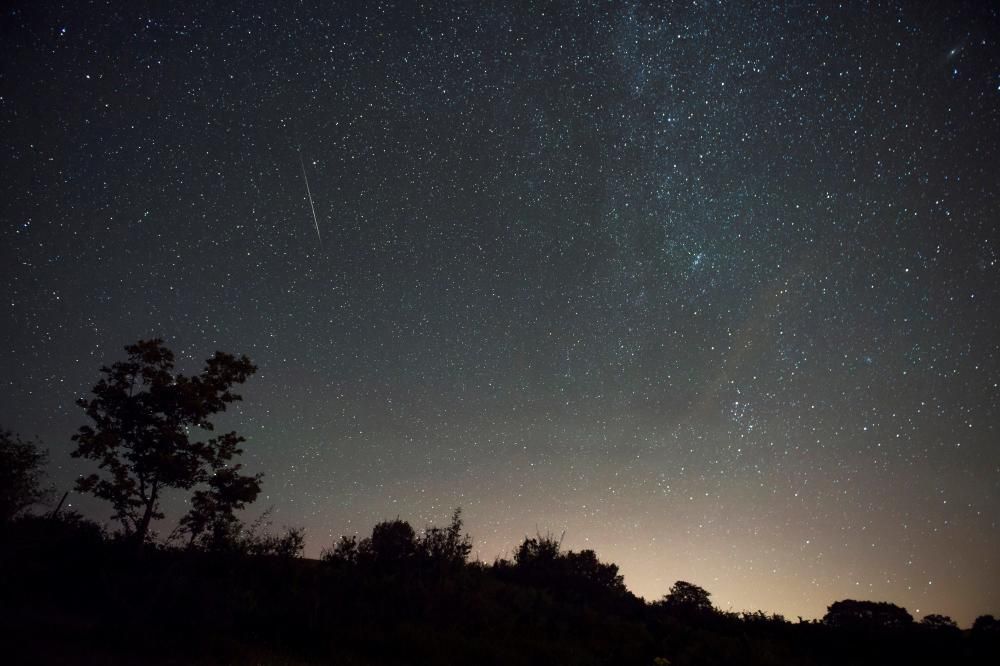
(939, 622)
(144, 418)
(541, 560)
(687, 598)
(867, 615)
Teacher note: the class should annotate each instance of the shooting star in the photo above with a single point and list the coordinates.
(309, 193)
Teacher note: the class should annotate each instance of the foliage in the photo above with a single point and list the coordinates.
(286, 545)
(144, 414)
(939, 622)
(212, 523)
(233, 537)
(66, 532)
(21, 476)
(687, 599)
(394, 546)
(986, 625)
(344, 551)
(393, 543)
(541, 561)
(71, 598)
(446, 546)
(867, 615)
(541, 552)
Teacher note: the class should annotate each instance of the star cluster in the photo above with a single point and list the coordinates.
(708, 287)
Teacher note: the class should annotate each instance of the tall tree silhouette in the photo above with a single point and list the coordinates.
(144, 416)
(20, 476)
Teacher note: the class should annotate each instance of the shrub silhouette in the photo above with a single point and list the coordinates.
(21, 476)
(63, 534)
(538, 554)
(446, 547)
(394, 546)
(344, 552)
(540, 561)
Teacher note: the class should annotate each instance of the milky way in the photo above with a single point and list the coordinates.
(709, 288)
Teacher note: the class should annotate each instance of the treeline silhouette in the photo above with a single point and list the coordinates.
(74, 594)
(218, 590)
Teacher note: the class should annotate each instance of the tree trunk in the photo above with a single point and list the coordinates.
(143, 528)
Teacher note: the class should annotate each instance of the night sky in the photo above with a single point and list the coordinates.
(711, 288)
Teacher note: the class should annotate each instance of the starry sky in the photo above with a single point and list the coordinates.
(710, 288)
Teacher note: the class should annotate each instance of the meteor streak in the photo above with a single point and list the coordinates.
(309, 194)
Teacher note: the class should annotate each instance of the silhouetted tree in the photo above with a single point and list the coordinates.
(541, 561)
(144, 415)
(446, 546)
(392, 543)
(874, 615)
(984, 639)
(943, 622)
(344, 551)
(986, 625)
(212, 522)
(584, 566)
(539, 553)
(687, 600)
(286, 545)
(21, 476)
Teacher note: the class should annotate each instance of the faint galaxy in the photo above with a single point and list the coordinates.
(711, 288)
